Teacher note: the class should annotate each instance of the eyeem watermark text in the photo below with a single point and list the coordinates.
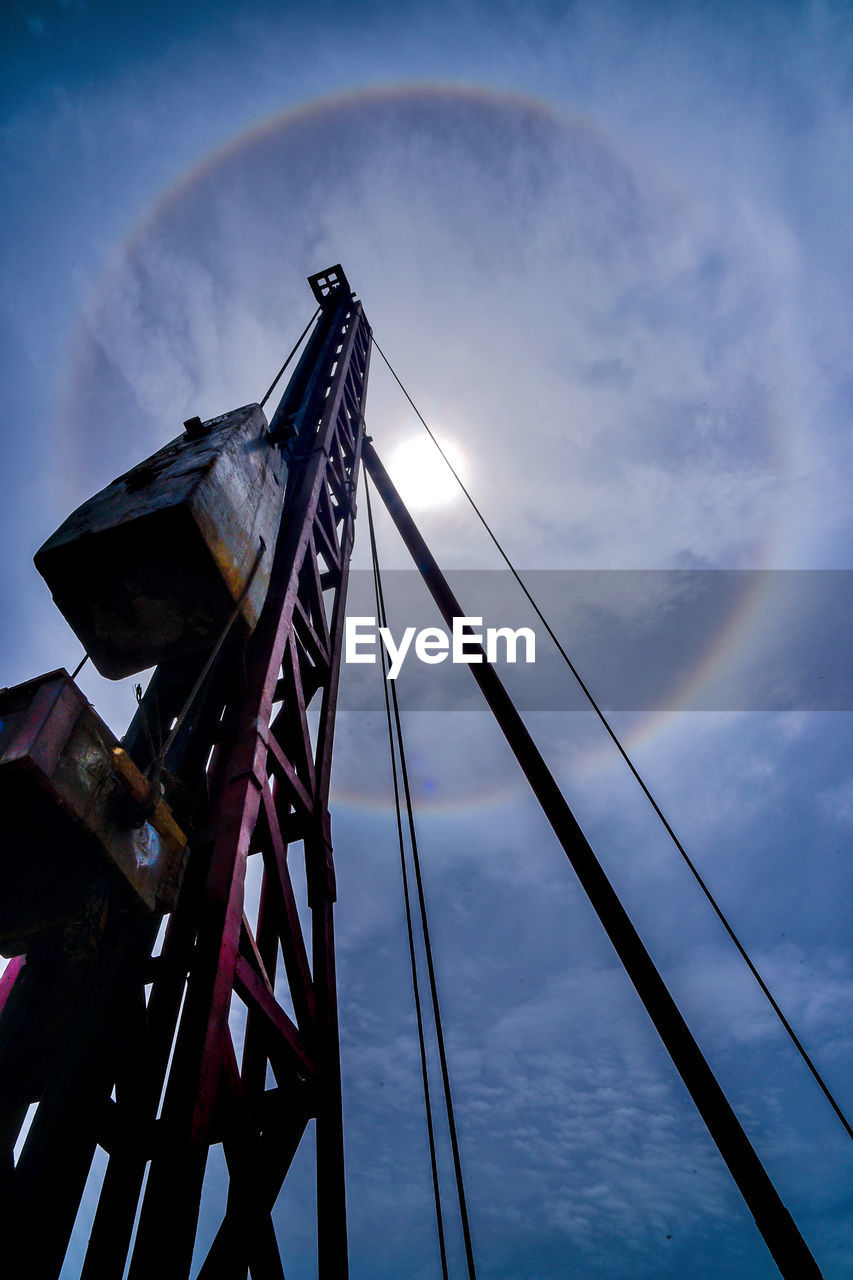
(431, 644)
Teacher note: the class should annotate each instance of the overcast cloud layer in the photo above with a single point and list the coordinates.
(609, 253)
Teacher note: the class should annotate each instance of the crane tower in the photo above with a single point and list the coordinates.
(223, 561)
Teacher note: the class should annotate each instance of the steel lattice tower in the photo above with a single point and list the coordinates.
(97, 1031)
(115, 1031)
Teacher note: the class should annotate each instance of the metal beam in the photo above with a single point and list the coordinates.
(250, 778)
(773, 1220)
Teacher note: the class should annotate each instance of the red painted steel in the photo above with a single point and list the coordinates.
(134, 1051)
(250, 781)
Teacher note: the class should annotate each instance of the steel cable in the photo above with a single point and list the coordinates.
(803, 1052)
(397, 731)
(296, 347)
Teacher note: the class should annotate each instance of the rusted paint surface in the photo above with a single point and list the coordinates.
(68, 815)
(151, 568)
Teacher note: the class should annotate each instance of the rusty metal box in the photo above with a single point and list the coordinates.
(152, 567)
(70, 815)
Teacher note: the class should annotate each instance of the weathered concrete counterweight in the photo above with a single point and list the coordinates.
(151, 568)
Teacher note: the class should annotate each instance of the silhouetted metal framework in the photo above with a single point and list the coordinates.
(124, 1039)
(133, 1051)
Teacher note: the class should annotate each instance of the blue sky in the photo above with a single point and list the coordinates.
(608, 249)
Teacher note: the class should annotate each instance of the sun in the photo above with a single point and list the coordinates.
(421, 475)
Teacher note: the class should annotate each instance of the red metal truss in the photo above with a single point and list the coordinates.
(226, 1032)
(158, 1074)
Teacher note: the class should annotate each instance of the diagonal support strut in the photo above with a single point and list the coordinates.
(781, 1235)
